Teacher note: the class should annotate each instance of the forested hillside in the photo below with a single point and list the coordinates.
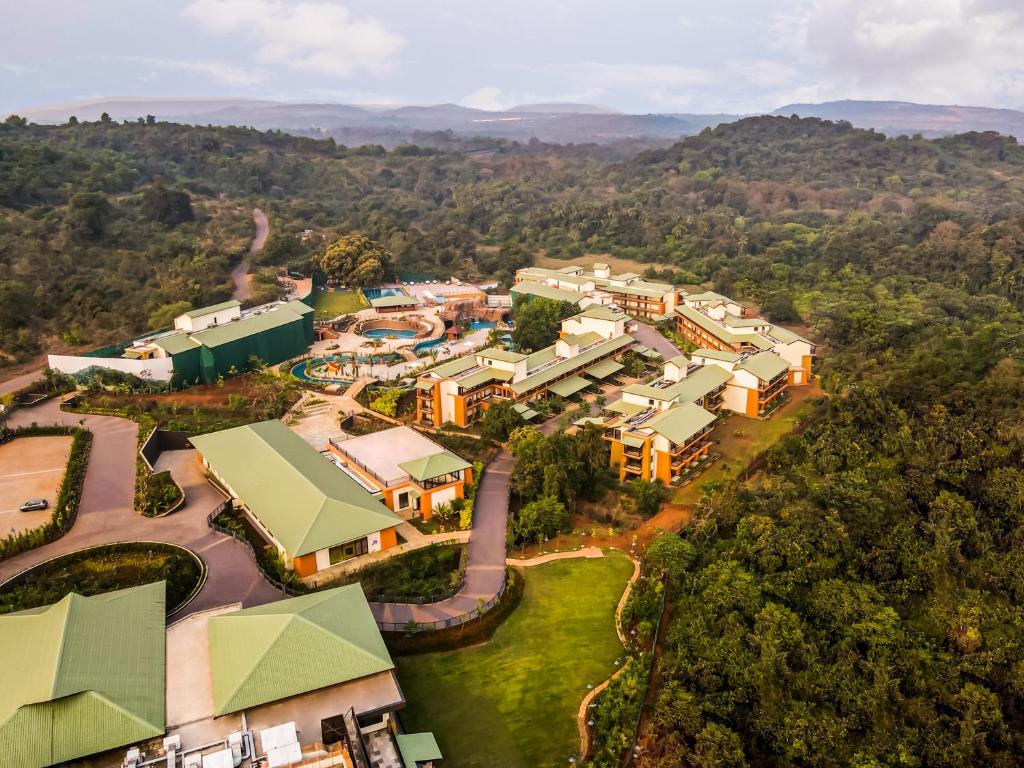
(859, 605)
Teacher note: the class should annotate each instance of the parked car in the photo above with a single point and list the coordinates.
(34, 505)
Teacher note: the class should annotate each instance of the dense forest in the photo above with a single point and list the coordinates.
(860, 603)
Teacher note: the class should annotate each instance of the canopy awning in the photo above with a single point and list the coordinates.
(599, 420)
(604, 369)
(626, 409)
(632, 442)
(569, 386)
(651, 354)
(425, 385)
(528, 414)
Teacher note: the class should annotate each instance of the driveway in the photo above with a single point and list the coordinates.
(649, 337)
(240, 274)
(107, 512)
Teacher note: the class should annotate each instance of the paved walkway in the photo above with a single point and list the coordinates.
(13, 385)
(587, 552)
(649, 337)
(107, 512)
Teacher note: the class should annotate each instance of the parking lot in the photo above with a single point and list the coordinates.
(30, 468)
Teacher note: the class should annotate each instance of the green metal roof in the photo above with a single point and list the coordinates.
(305, 502)
(544, 291)
(203, 311)
(425, 385)
(285, 648)
(176, 344)
(599, 420)
(651, 354)
(743, 322)
(601, 312)
(569, 386)
(680, 422)
(765, 365)
(604, 369)
(718, 354)
(454, 367)
(680, 361)
(785, 335)
(474, 380)
(82, 676)
(708, 296)
(541, 357)
(582, 339)
(427, 467)
(700, 382)
(384, 302)
(626, 409)
(416, 748)
(632, 442)
(529, 414)
(502, 355)
(578, 362)
(225, 333)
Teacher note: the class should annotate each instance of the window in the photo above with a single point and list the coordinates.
(403, 500)
(351, 549)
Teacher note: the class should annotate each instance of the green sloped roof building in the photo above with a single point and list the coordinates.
(270, 652)
(82, 676)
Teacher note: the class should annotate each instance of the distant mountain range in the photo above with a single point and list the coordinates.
(555, 122)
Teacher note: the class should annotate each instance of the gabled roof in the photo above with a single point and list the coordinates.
(439, 464)
(578, 362)
(708, 296)
(453, 367)
(765, 365)
(502, 355)
(717, 354)
(680, 361)
(785, 335)
(689, 389)
(544, 291)
(225, 333)
(83, 675)
(270, 652)
(601, 312)
(582, 339)
(680, 422)
(483, 376)
(203, 311)
(176, 343)
(305, 502)
(416, 748)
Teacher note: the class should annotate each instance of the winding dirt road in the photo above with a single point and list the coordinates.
(240, 274)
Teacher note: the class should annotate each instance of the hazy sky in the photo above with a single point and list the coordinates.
(635, 55)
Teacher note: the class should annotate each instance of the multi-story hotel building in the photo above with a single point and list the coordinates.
(628, 291)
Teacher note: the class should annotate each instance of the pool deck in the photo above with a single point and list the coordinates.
(352, 342)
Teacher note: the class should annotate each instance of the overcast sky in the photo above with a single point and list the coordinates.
(634, 55)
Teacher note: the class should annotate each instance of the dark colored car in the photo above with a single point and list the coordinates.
(34, 505)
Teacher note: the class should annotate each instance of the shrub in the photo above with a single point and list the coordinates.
(386, 403)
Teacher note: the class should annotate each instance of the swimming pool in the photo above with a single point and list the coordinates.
(383, 333)
(428, 344)
(376, 293)
(481, 325)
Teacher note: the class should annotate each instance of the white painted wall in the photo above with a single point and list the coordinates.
(735, 398)
(157, 369)
(186, 323)
(446, 495)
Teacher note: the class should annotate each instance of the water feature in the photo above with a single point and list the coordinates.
(376, 293)
(383, 333)
(481, 325)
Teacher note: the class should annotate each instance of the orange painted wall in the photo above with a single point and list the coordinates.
(751, 402)
(305, 565)
(388, 538)
(460, 411)
(664, 468)
(807, 366)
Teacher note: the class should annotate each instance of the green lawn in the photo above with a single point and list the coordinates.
(512, 702)
(330, 304)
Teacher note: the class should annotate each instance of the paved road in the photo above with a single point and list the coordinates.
(107, 512)
(650, 337)
(240, 274)
(486, 568)
(13, 385)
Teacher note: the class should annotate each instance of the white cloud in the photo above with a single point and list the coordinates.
(489, 97)
(14, 69)
(320, 37)
(666, 85)
(947, 51)
(218, 70)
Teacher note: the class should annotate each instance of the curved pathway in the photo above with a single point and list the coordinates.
(107, 514)
(240, 274)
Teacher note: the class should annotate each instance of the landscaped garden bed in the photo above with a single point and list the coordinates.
(425, 575)
(106, 568)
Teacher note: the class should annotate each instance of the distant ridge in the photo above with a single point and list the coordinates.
(565, 108)
(905, 117)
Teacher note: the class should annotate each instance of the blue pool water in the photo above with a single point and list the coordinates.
(376, 293)
(428, 344)
(481, 325)
(383, 333)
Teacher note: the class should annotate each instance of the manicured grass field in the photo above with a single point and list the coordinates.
(512, 702)
(330, 304)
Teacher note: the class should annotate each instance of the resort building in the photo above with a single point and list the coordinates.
(712, 321)
(460, 390)
(301, 681)
(628, 291)
(206, 344)
(660, 444)
(84, 675)
(312, 512)
(758, 380)
(409, 471)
